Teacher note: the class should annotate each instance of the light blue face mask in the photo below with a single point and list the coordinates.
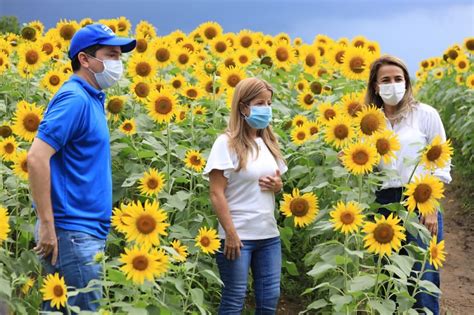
(260, 117)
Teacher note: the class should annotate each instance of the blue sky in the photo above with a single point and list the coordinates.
(412, 30)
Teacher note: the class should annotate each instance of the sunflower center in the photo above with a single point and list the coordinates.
(313, 130)
(220, 47)
(359, 43)
(282, 54)
(142, 89)
(176, 84)
(1, 61)
(146, 224)
(67, 32)
(299, 207)
(434, 253)
(339, 57)
(24, 166)
(205, 241)
(470, 44)
(261, 52)
(183, 59)
(122, 26)
(28, 33)
(143, 69)
(210, 32)
(127, 126)
(308, 99)
(462, 64)
(163, 105)
(229, 62)
(310, 60)
(31, 122)
(369, 123)
(209, 87)
(316, 87)
(384, 233)
(58, 291)
(422, 193)
(243, 59)
(115, 106)
(233, 79)
(347, 217)
(246, 41)
(453, 54)
(32, 57)
(152, 183)
(162, 54)
(5, 131)
(47, 48)
(195, 160)
(383, 146)
(341, 131)
(140, 263)
(9, 148)
(329, 114)
(142, 45)
(360, 157)
(425, 64)
(299, 123)
(434, 153)
(182, 115)
(301, 135)
(192, 93)
(357, 64)
(54, 80)
(353, 108)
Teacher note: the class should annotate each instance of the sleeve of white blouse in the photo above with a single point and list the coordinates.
(220, 157)
(434, 126)
(282, 167)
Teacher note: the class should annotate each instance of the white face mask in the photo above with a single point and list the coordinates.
(113, 70)
(392, 93)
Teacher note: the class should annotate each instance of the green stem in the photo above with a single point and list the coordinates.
(168, 182)
(193, 273)
(418, 278)
(360, 187)
(379, 267)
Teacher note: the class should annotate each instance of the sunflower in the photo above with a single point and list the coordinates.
(303, 207)
(352, 103)
(4, 225)
(26, 287)
(384, 236)
(53, 80)
(326, 112)
(86, 21)
(231, 76)
(145, 223)
(142, 263)
(309, 57)
(243, 57)
(20, 167)
(181, 250)
(356, 63)
(29, 33)
(313, 128)
(339, 131)
(469, 44)
(110, 23)
(207, 240)
(245, 39)
(386, 142)
(181, 113)
(360, 158)
(4, 62)
(439, 73)
(374, 48)
(162, 51)
(123, 26)
(54, 289)
(5, 130)
(145, 29)
(115, 104)
(194, 160)
(31, 57)
(462, 64)
(66, 30)
(299, 120)
(141, 89)
(177, 82)
(470, 81)
(424, 193)
(183, 58)
(300, 134)
(370, 120)
(220, 45)
(302, 85)
(162, 105)
(128, 127)
(437, 154)
(209, 30)
(8, 148)
(306, 99)
(142, 45)
(117, 217)
(336, 55)
(152, 182)
(283, 55)
(437, 253)
(192, 92)
(347, 217)
(142, 65)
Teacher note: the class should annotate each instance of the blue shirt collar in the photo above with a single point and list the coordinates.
(89, 88)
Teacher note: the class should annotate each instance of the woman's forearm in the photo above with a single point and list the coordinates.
(219, 203)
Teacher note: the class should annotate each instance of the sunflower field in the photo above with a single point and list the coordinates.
(339, 257)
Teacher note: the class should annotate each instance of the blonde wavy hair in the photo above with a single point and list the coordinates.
(371, 97)
(239, 132)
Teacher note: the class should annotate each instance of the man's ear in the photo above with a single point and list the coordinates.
(83, 60)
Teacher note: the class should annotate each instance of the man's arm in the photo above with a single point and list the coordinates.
(39, 174)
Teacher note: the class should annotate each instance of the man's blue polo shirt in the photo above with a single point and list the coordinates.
(81, 177)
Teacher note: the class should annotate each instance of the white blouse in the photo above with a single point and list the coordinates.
(252, 209)
(416, 130)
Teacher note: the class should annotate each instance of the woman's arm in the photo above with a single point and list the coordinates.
(218, 184)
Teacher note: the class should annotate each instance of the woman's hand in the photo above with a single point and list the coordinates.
(271, 183)
(232, 246)
(431, 222)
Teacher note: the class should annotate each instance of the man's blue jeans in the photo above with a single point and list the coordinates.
(76, 251)
(428, 300)
(263, 257)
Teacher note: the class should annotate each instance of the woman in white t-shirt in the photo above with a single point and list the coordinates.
(244, 169)
(416, 125)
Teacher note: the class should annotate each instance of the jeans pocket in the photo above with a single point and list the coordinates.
(80, 238)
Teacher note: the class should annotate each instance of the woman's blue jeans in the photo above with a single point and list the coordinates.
(263, 257)
(76, 251)
(430, 301)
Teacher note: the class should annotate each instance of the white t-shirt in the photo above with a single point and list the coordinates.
(416, 130)
(252, 209)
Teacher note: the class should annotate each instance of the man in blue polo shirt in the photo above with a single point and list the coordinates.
(69, 164)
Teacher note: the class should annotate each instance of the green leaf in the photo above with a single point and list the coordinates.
(383, 306)
(5, 288)
(362, 283)
(319, 269)
(340, 300)
(404, 262)
(317, 304)
(397, 271)
(429, 286)
(291, 268)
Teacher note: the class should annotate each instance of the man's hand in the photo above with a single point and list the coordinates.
(47, 242)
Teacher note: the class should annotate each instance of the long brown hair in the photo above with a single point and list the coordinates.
(239, 131)
(371, 97)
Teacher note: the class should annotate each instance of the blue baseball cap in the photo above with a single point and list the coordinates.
(98, 34)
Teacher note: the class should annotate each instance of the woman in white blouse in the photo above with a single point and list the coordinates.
(416, 125)
(244, 169)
